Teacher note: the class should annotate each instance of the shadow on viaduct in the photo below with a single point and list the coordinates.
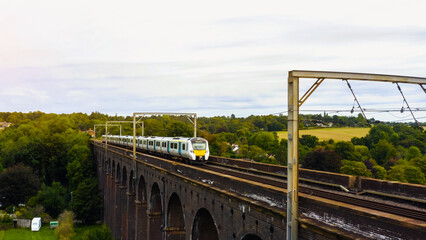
(142, 201)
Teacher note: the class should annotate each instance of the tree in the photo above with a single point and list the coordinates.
(101, 233)
(413, 152)
(180, 129)
(309, 140)
(65, 230)
(345, 150)
(361, 153)
(419, 162)
(265, 140)
(256, 153)
(355, 168)
(281, 152)
(52, 198)
(79, 165)
(86, 201)
(414, 174)
(323, 160)
(379, 172)
(383, 151)
(377, 133)
(397, 173)
(17, 184)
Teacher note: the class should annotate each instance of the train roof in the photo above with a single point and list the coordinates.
(158, 137)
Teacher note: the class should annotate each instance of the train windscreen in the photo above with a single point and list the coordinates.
(198, 144)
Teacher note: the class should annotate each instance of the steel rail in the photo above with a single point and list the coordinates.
(379, 206)
(273, 180)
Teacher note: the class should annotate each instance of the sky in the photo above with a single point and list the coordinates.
(208, 57)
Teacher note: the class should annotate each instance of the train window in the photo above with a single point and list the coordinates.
(158, 144)
(183, 146)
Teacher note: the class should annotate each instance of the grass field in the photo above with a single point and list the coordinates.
(45, 233)
(337, 134)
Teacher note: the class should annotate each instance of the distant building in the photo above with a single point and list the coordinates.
(235, 148)
(4, 125)
(91, 132)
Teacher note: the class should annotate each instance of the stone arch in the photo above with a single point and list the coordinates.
(142, 190)
(204, 226)
(175, 219)
(100, 159)
(155, 200)
(131, 183)
(118, 178)
(109, 165)
(155, 213)
(124, 179)
(251, 237)
(141, 209)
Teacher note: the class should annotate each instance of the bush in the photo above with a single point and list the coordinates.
(379, 172)
(355, 168)
(102, 233)
(65, 230)
(5, 218)
(323, 160)
(10, 209)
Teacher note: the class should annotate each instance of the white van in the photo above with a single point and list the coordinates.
(36, 224)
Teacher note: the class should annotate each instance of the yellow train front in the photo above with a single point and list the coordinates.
(192, 150)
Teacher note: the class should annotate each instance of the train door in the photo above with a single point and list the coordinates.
(180, 148)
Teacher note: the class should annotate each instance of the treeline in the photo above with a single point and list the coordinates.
(56, 149)
(387, 152)
(48, 166)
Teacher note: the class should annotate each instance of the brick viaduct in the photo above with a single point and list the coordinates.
(151, 203)
(153, 198)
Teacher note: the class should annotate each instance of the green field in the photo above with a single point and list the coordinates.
(45, 233)
(337, 134)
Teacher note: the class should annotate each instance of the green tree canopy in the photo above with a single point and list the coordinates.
(86, 201)
(265, 140)
(17, 184)
(52, 198)
(323, 160)
(309, 140)
(355, 168)
(383, 151)
(413, 152)
(345, 150)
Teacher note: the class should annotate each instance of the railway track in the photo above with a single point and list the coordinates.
(279, 181)
(340, 197)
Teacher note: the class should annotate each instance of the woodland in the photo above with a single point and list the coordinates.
(46, 162)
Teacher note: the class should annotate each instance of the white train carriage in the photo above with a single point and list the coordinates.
(192, 149)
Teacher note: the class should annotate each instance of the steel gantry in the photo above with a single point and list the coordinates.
(104, 124)
(293, 127)
(142, 114)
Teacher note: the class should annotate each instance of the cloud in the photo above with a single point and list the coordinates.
(213, 58)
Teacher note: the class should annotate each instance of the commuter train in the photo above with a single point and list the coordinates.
(191, 150)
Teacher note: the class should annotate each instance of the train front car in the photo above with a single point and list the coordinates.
(198, 150)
